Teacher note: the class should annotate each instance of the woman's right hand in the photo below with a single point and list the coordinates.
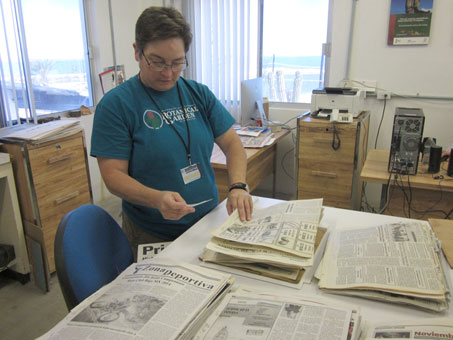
(172, 206)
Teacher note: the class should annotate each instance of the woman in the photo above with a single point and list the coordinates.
(153, 137)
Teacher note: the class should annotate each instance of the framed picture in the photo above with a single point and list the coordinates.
(410, 22)
(108, 80)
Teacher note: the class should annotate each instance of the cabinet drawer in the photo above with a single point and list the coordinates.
(317, 144)
(56, 161)
(51, 215)
(325, 180)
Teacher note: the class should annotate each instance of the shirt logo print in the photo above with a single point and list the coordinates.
(152, 119)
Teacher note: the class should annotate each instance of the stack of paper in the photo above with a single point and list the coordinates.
(397, 263)
(248, 313)
(278, 243)
(39, 133)
(255, 136)
(154, 299)
(432, 328)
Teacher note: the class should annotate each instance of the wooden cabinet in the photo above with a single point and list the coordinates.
(52, 178)
(330, 158)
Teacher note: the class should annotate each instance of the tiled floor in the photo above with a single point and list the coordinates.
(25, 311)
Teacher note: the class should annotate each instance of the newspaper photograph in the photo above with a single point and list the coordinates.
(244, 315)
(282, 227)
(433, 329)
(400, 258)
(149, 300)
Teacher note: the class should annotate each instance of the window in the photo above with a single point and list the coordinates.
(224, 49)
(44, 65)
(294, 32)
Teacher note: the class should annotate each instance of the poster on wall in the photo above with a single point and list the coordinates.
(410, 22)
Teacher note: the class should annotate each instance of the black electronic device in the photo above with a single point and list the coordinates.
(450, 164)
(434, 159)
(407, 134)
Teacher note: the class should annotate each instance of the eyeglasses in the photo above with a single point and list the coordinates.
(159, 66)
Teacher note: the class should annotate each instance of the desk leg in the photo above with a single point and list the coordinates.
(274, 176)
(383, 196)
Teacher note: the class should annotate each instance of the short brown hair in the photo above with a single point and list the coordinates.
(161, 23)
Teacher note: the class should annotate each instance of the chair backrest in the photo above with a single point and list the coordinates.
(91, 250)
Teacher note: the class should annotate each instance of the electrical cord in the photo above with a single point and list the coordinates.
(336, 142)
(448, 215)
(382, 118)
(400, 184)
(430, 209)
(387, 194)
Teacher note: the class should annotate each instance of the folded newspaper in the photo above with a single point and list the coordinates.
(154, 299)
(247, 313)
(398, 263)
(433, 329)
(279, 242)
(40, 133)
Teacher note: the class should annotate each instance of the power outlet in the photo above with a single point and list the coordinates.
(383, 95)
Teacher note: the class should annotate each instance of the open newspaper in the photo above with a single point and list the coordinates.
(247, 313)
(279, 242)
(397, 262)
(154, 299)
(433, 329)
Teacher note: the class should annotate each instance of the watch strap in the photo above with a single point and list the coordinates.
(238, 185)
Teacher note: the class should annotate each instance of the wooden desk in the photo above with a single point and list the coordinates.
(430, 197)
(260, 164)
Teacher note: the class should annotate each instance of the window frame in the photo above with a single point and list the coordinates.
(326, 50)
(31, 113)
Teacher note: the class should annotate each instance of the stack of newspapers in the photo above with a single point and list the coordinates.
(279, 242)
(247, 313)
(40, 133)
(154, 299)
(397, 263)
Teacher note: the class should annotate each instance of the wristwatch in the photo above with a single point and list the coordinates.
(239, 185)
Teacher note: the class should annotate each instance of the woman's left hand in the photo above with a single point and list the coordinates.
(241, 200)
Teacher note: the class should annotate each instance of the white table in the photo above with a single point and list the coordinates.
(188, 247)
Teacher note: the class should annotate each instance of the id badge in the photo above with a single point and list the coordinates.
(191, 173)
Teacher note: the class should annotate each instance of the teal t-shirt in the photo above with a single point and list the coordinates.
(128, 125)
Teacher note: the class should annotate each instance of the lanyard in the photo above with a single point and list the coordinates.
(186, 146)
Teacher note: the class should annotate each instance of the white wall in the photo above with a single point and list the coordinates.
(124, 15)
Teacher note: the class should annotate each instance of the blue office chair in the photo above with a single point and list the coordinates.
(91, 250)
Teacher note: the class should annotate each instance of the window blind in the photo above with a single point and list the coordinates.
(224, 49)
(16, 101)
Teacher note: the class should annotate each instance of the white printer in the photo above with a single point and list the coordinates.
(326, 100)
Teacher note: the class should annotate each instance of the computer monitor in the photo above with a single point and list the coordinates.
(251, 94)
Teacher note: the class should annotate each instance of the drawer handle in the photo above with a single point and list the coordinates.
(60, 158)
(322, 140)
(67, 197)
(324, 174)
